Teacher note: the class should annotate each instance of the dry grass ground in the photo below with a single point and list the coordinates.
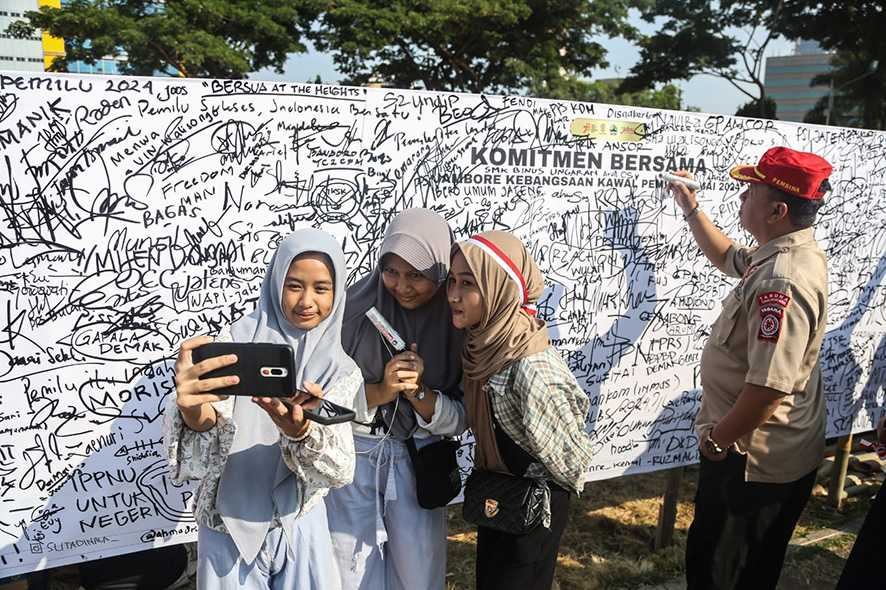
(608, 543)
(817, 567)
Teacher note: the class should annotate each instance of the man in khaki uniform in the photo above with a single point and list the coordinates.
(762, 416)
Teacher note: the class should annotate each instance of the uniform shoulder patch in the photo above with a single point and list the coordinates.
(774, 297)
(771, 317)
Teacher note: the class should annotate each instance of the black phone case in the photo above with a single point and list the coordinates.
(330, 413)
(265, 369)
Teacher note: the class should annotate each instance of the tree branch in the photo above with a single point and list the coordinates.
(419, 71)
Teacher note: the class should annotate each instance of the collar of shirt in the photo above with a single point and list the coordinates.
(782, 243)
(498, 381)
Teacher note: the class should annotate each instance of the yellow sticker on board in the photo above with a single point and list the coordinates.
(608, 129)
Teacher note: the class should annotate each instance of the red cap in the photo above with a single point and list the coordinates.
(797, 173)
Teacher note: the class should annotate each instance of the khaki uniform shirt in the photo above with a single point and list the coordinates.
(769, 334)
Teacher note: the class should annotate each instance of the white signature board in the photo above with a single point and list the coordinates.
(137, 212)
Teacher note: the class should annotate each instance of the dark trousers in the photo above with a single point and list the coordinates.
(741, 529)
(152, 569)
(522, 562)
(863, 568)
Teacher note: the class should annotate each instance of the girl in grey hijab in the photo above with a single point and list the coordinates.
(263, 467)
(381, 537)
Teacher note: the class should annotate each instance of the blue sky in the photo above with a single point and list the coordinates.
(711, 95)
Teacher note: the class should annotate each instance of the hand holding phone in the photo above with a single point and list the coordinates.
(267, 370)
(287, 413)
(194, 393)
(311, 407)
(323, 411)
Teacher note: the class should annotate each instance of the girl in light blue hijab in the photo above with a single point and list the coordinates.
(263, 467)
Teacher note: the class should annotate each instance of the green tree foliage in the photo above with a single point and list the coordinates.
(607, 92)
(193, 38)
(469, 45)
(858, 99)
(727, 39)
(855, 30)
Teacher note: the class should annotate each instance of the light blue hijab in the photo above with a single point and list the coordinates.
(256, 479)
(268, 323)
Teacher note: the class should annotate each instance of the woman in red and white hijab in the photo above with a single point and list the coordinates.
(525, 407)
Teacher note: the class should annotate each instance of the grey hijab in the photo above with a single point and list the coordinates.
(423, 239)
(256, 479)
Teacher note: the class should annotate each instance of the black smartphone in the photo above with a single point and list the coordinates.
(265, 369)
(326, 412)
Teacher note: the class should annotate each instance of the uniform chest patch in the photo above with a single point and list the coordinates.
(748, 274)
(738, 290)
(771, 318)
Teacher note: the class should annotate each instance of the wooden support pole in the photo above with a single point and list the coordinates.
(667, 510)
(838, 475)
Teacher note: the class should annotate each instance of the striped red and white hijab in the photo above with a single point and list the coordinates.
(511, 283)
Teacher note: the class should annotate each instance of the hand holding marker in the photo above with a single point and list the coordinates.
(692, 185)
(388, 333)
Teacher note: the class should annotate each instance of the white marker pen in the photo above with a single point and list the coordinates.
(692, 185)
(389, 333)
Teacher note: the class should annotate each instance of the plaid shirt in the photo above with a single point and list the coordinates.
(540, 405)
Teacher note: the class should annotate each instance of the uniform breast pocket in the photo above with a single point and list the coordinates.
(725, 324)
